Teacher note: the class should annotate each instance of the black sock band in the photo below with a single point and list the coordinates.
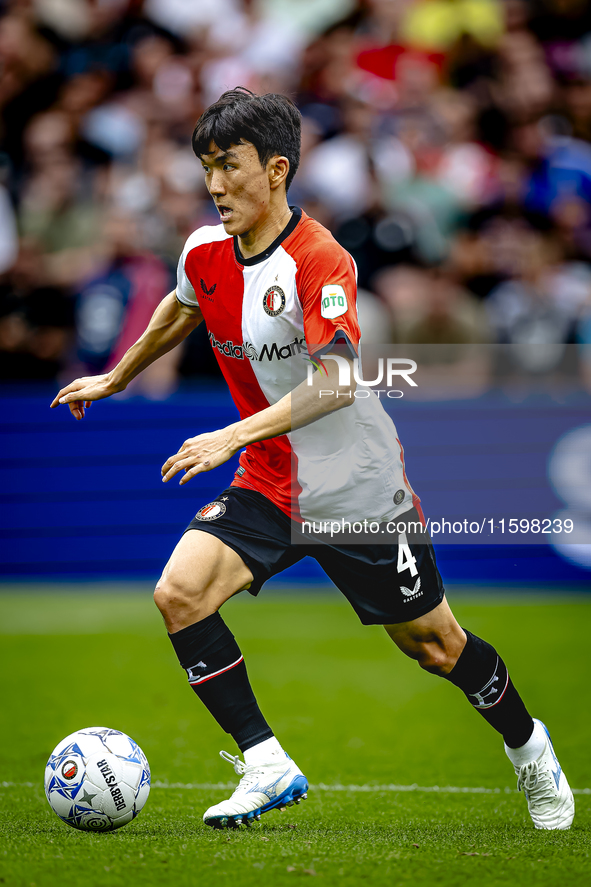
(212, 659)
(482, 675)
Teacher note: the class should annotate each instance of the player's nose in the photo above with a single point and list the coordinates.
(216, 182)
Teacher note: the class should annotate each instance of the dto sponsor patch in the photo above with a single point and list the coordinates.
(333, 301)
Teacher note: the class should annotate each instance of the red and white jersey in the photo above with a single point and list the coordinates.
(263, 315)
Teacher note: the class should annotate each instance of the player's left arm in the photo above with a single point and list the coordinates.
(302, 406)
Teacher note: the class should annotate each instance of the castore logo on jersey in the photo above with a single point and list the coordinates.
(207, 292)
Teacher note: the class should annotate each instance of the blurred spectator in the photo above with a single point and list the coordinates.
(114, 307)
(560, 166)
(35, 333)
(450, 316)
(30, 79)
(374, 318)
(359, 156)
(8, 232)
(438, 24)
(543, 301)
(252, 47)
(464, 167)
(577, 99)
(36, 321)
(426, 306)
(446, 143)
(183, 17)
(57, 206)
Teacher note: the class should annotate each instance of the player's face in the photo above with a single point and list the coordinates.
(239, 186)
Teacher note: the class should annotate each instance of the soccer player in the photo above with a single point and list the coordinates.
(275, 289)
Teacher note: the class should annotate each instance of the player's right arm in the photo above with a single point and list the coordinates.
(171, 322)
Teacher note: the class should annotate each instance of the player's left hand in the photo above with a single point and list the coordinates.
(199, 454)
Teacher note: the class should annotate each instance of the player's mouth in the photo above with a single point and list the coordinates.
(225, 212)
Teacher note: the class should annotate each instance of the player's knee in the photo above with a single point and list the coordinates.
(166, 597)
(174, 599)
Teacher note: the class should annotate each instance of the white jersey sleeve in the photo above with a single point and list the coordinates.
(185, 291)
(184, 288)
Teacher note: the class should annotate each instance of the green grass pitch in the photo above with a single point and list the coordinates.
(346, 705)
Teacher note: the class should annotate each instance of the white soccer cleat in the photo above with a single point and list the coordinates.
(549, 798)
(263, 787)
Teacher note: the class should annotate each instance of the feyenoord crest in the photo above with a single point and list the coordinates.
(211, 511)
(69, 769)
(274, 301)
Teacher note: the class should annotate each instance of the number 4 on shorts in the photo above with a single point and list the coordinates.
(405, 559)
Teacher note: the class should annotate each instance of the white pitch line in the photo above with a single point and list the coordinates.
(390, 787)
(338, 787)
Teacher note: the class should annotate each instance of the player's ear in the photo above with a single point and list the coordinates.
(278, 169)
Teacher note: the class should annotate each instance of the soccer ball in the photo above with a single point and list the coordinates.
(97, 779)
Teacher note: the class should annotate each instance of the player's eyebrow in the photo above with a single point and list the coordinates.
(221, 158)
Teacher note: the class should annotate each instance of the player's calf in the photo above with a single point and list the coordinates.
(434, 640)
(216, 671)
(482, 675)
(440, 646)
(201, 575)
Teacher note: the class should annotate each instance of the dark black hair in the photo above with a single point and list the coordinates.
(271, 122)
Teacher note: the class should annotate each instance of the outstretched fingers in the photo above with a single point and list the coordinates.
(191, 465)
(191, 472)
(80, 393)
(199, 454)
(70, 393)
(71, 396)
(77, 407)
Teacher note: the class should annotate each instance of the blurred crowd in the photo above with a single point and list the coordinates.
(446, 144)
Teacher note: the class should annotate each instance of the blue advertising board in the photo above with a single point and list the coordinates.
(85, 500)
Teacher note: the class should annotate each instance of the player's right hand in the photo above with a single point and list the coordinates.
(80, 393)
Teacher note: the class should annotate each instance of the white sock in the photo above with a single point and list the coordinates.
(532, 749)
(264, 752)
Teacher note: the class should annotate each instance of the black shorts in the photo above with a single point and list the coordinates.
(385, 583)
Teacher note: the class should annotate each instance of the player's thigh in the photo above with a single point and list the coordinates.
(202, 565)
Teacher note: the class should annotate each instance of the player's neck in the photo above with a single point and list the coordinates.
(256, 241)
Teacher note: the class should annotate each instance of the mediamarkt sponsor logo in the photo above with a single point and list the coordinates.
(268, 352)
